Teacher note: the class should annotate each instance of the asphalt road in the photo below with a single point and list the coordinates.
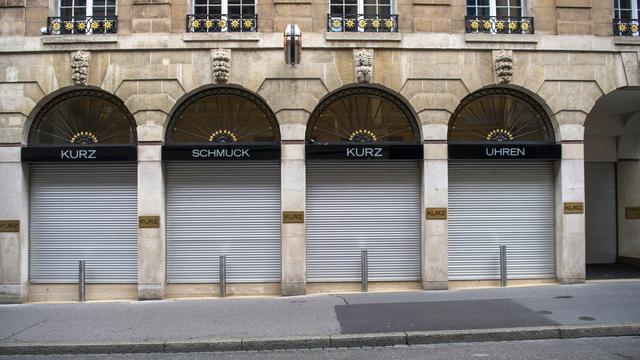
(613, 348)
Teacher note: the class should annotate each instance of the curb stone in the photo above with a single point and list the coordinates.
(328, 341)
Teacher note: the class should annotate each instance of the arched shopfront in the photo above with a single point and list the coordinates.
(363, 187)
(612, 178)
(83, 189)
(501, 187)
(223, 188)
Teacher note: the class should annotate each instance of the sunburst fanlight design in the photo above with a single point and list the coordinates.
(363, 135)
(83, 117)
(83, 138)
(362, 115)
(499, 135)
(499, 114)
(223, 136)
(223, 115)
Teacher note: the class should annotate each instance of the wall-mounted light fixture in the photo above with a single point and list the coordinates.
(292, 44)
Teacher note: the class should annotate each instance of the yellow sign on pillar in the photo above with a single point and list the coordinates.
(436, 213)
(574, 208)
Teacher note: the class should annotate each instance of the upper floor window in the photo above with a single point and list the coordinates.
(626, 14)
(223, 16)
(497, 16)
(361, 15)
(83, 17)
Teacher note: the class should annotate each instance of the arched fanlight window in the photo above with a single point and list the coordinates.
(362, 115)
(223, 115)
(498, 115)
(84, 117)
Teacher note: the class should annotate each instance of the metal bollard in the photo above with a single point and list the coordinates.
(223, 276)
(364, 270)
(81, 280)
(503, 265)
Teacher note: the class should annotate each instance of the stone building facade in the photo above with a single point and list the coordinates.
(585, 77)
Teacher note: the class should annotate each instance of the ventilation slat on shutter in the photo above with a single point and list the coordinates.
(83, 212)
(223, 208)
(363, 205)
(501, 203)
(600, 213)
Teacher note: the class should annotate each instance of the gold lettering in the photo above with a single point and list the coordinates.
(9, 225)
(574, 208)
(148, 222)
(293, 217)
(436, 213)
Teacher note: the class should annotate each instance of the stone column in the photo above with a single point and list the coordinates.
(435, 194)
(570, 227)
(14, 245)
(294, 235)
(151, 241)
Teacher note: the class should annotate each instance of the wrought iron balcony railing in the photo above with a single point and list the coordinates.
(222, 23)
(626, 27)
(498, 24)
(362, 23)
(82, 25)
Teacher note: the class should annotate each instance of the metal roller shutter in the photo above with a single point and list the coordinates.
(501, 203)
(600, 213)
(363, 205)
(223, 208)
(83, 212)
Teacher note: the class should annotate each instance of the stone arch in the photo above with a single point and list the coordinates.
(186, 104)
(512, 99)
(110, 127)
(357, 130)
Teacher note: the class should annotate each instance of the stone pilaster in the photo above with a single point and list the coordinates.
(570, 227)
(14, 246)
(435, 193)
(151, 241)
(294, 236)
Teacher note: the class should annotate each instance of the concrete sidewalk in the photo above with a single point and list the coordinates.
(554, 311)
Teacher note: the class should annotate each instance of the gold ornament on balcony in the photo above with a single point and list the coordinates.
(248, 23)
(388, 24)
(222, 23)
(95, 25)
(208, 24)
(622, 27)
(350, 24)
(634, 28)
(82, 26)
(525, 26)
(195, 24)
(336, 23)
(375, 23)
(362, 23)
(223, 136)
(108, 25)
(486, 25)
(363, 135)
(235, 23)
(500, 25)
(68, 26)
(55, 26)
(512, 25)
(474, 24)
(84, 138)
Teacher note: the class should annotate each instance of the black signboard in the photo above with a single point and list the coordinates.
(79, 153)
(506, 151)
(363, 151)
(221, 152)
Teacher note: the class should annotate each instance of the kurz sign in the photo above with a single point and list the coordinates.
(364, 151)
(79, 153)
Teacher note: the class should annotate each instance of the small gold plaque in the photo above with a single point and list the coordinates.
(574, 208)
(9, 225)
(148, 222)
(293, 217)
(632, 213)
(436, 213)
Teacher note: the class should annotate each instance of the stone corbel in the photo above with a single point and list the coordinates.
(80, 68)
(363, 66)
(503, 66)
(221, 65)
